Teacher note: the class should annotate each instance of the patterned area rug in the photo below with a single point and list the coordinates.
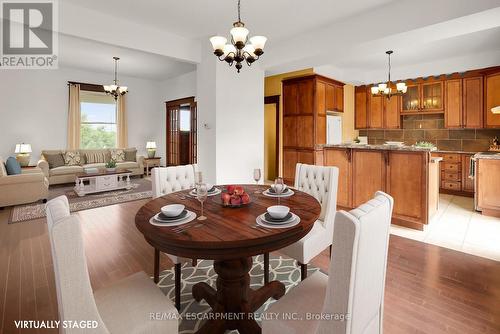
(141, 188)
(282, 269)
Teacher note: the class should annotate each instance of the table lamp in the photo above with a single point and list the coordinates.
(23, 154)
(151, 148)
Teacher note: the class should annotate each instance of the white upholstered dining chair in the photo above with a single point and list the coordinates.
(167, 180)
(353, 292)
(320, 182)
(123, 307)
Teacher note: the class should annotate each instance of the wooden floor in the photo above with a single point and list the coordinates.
(429, 289)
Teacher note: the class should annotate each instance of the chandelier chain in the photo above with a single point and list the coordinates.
(389, 68)
(239, 10)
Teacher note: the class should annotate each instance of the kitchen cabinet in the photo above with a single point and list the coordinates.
(454, 171)
(492, 99)
(368, 175)
(487, 185)
(341, 158)
(306, 101)
(467, 182)
(392, 116)
(464, 103)
(423, 97)
(360, 108)
(375, 112)
(410, 177)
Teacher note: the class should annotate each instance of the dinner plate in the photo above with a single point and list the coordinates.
(270, 194)
(284, 222)
(268, 219)
(260, 221)
(190, 216)
(217, 191)
(164, 219)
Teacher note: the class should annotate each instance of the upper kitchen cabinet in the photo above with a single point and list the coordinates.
(376, 112)
(492, 100)
(333, 98)
(360, 108)
(464, 103)
(423, 97)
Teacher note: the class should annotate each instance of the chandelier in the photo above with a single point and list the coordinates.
(385, 89)
(238, 50)
(115, 89)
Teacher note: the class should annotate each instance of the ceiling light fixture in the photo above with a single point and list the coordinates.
(238, 50)
(115, 90)
(385, 89)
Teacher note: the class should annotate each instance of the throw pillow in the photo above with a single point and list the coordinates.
(54, 160)
(72, 158)
(13, 167)
(131, 155)
(96, 157)
(118, 155)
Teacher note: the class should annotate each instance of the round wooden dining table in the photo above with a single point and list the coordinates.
(230, 237)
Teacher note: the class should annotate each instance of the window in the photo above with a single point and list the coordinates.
(185, 123)
(98, 120)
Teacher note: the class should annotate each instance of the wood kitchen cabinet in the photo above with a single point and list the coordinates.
(376, 112)
(360, 108)
(306, 101)
(341, 158)
(426, 96)
(392, 115)
(368, 175)
(464, 103)
(454, 173)
(487, 185)
(492, 99)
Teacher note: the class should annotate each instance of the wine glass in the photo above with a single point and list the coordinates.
(198, 178)
(256, 176)
(279, 187)
(201, 196)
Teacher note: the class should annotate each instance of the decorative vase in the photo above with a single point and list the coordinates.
(111, 169)
(151, 153)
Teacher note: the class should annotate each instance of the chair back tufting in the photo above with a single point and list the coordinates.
(167, 180)
(75, 298)
(358, 268)
(320, 182)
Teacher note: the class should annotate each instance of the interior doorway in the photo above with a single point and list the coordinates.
(271, 137)
(181, 132)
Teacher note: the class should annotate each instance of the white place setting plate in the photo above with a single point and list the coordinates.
(217, 191)
(157, 221)
(261, 220)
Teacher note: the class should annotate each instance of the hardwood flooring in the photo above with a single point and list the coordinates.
(429, 289)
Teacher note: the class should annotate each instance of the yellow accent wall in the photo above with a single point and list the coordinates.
(270, 142)
(348, 130)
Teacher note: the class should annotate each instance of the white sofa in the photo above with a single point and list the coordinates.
(29, 186)
(66, 174)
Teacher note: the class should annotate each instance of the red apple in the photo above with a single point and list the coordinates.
(245, 198)
(230, 189)
(226, 198)
(238, 190)
(235, 200)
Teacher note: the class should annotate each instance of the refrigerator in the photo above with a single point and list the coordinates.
(333, 129)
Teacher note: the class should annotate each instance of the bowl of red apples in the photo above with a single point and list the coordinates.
(234, 197)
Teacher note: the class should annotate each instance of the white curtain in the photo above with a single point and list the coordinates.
(121, 122)
(74, 118)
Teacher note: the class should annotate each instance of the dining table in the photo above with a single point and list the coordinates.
(230, 237)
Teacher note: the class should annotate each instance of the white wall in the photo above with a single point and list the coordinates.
(34, 108)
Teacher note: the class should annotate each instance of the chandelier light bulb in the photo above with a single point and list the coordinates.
(239, 35)
(250, 50)
(374, 90)
(229, 51)
(218, 42)
(382, 87)
(400, 86)
(258, 42)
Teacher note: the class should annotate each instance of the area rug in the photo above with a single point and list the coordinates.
(192, 313)
(141, 188)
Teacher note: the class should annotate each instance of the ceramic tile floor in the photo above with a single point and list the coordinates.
(457, 226)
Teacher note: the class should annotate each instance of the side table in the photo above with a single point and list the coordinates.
(150, 163)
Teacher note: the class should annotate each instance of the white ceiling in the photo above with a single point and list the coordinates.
(276, 19)
(95, 56)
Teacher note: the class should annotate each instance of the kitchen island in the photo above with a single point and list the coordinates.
(407, 173)
(487, 182)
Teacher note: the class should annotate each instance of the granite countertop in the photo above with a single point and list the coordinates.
(487, 155)
(383, 147)
(455, 152)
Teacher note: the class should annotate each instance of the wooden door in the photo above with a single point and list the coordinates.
(375, 112)
(182, 141)
(467, 183)
(368, 175)
(330, 97)
(392, 117)
(453, 112)
(473, 102)
(341, 158)
(305, 93)
(360, 115)
(492, 99)
(339, 98)
(407, 183)
(173, 135)
(411, 99)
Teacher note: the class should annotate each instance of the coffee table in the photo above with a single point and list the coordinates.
(102, 180)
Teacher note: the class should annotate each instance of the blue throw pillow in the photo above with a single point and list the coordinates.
(13, 167)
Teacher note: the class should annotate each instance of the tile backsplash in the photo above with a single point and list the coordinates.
(431, 128)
